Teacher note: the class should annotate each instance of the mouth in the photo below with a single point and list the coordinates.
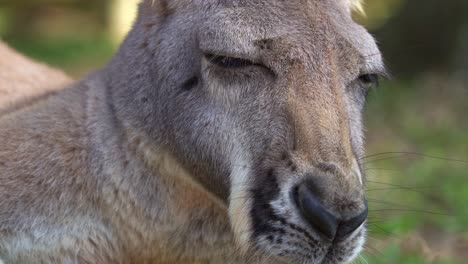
(281, 228)
(346, 251)
(290, 239)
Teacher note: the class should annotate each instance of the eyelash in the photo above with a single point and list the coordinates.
(229, 62)
(370, 79)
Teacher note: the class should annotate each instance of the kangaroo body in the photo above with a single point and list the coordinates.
(171, 155)
(21, 78)
(98, 195)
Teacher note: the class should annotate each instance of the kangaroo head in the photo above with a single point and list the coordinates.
(261, 100)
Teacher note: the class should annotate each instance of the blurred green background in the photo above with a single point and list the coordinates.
(419, 211)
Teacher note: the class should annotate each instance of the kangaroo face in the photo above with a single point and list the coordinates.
(262, 101)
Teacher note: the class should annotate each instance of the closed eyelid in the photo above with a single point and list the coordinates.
(228, 62)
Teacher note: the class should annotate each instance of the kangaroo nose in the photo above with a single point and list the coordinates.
(349, 226)
(322, 220)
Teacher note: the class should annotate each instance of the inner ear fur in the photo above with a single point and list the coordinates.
(355, 5)
(151, 7)
(165, 8)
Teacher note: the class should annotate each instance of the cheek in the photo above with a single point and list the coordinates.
(231, 88)
(355, 123)
(206, 145)
(225, 92)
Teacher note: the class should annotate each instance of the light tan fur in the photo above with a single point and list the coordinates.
(165, 156)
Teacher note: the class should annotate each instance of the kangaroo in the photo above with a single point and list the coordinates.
(221, 132)
(22, 79)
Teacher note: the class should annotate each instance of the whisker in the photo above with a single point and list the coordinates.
(382, 169)
(403, 153)
(408, 210)
(387, 203)
(388, 233)
(402, 207)
(398, 187)
(365, 261)
(414, 189)
(394, 185)
(382, 159)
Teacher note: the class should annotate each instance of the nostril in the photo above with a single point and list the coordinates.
(349, 226)
(314, 212)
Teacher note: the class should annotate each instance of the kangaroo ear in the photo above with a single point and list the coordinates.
(355, 5)
(148, 8)
(166, 7)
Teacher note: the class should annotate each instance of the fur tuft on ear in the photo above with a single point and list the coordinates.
(162, 8)
(356, 5)
(168, 4)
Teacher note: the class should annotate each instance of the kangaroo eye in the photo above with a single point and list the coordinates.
(229, 62)
(370, 79)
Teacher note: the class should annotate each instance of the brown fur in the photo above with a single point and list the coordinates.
(165, 157)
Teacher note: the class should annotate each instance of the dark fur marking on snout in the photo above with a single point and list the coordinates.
(264, 44)
(149, 25)
(291, 165)
(265, 220)
(294, 168)
(144, 45)
(265, 191)
(190, 83)
(144, 100)
(284, 156)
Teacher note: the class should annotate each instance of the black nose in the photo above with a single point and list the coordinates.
(322, 220)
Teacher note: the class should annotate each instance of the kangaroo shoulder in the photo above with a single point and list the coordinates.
(43, 159)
